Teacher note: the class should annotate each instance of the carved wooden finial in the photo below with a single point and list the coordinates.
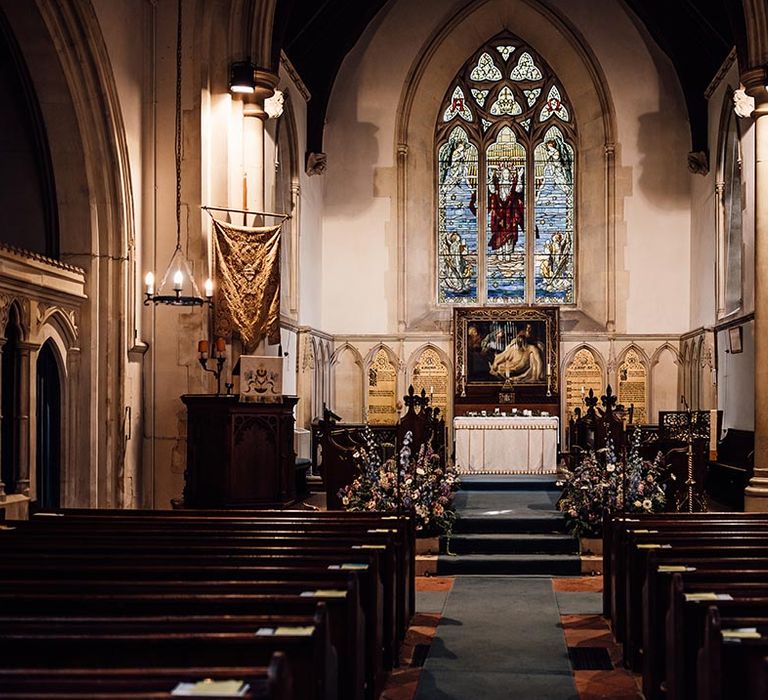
(591, 401)
(608, 399)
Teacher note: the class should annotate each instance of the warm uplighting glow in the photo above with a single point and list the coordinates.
(149, 282)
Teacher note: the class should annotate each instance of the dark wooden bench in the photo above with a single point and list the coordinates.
(272, 682)
(656, 595)
(163, 641)
(732, 664)
(685, 629)
(728, 474)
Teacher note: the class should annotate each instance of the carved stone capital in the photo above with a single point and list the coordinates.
(743, 104)
(316, 163)
(698, 162)
(273, 106)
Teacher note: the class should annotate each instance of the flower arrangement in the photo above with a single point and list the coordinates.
(419, 484)
(597, 485)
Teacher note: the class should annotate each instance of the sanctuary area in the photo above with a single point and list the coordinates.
(384, 349)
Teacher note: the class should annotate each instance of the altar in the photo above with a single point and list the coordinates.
(506, 445)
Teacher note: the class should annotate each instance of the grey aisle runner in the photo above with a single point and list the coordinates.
(499, 637)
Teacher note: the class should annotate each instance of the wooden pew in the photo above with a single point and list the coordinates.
(745, 544)
(272, 682)
(84, 574)
(656, 595)
(404, 524)
(730, 666)
(345, 623)
(176, 642)
(685, 630)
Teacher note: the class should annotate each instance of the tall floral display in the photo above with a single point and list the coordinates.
(405, 483)
(602, 482)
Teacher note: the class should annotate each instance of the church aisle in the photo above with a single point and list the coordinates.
(578, 601)
(499, 637)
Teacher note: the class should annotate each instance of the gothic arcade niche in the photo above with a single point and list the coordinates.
(505, 130)
(633, 385)
(382, 390)
(431, 374)
(582, 373)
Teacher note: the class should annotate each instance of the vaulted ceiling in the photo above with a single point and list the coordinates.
(696, 35)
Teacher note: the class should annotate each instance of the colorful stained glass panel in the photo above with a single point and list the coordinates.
(485, 69)
(553, 220)
(554, 106)
(506, 103)
(526, 69)
(505, 202)
(457, 107)
(457, 220)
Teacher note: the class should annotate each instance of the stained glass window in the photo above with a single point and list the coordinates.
(457, 220)
(506, 157)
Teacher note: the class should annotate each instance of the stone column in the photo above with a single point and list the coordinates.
(2, 485)
(756, 493)
(253, 139)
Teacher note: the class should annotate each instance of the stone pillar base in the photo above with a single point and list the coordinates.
(756, 493)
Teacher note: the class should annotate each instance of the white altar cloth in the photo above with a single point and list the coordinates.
(506, 445)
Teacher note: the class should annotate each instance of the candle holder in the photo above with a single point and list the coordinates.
(202, 347)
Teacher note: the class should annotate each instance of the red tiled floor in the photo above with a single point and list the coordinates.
(593, 584)
(434, 583)
(616, 685)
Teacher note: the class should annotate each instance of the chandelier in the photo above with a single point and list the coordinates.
(183, 289)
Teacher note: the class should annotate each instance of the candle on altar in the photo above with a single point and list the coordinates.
(202, 347)
(506, 369)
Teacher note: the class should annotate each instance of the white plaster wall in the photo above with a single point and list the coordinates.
(736, 380)
(359, 237)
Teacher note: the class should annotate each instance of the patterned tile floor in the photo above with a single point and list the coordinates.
(579, 630)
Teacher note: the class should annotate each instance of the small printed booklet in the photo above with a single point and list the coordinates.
(209, 687)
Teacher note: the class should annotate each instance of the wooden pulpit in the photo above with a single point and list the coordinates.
(239, 455)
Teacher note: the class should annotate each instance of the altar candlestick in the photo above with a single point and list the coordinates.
(549, 368)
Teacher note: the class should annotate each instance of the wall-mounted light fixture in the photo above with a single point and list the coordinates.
(242, 77)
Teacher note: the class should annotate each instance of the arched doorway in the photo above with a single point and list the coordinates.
(10, 402)
(48, 428)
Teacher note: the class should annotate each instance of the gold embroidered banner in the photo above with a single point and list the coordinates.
(247, 270)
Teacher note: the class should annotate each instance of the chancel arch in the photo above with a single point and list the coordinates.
(347, 396)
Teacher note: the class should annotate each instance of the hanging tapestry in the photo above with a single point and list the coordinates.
(247, 270)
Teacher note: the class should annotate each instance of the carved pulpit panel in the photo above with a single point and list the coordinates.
(431, 374)
(633, 386)
(382, 390)
(582, 374)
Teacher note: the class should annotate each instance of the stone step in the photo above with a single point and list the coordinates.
(540, 564)
(547, 523)
(526, 543)
(509, 482)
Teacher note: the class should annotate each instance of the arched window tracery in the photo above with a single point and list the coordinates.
(505, 181)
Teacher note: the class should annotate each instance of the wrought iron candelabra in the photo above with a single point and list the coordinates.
(202, 348)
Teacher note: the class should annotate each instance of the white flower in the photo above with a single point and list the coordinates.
(611, 468)
(647, 504)
(420, 471)
(638, 504)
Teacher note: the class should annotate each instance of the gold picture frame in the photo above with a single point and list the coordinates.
(511, 345)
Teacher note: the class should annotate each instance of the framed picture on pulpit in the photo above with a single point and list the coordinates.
(261, 379)
(510, 346)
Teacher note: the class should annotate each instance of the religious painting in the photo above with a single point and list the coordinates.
(382, 390)
(261, 379)
(519, 344)
(633, 386)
